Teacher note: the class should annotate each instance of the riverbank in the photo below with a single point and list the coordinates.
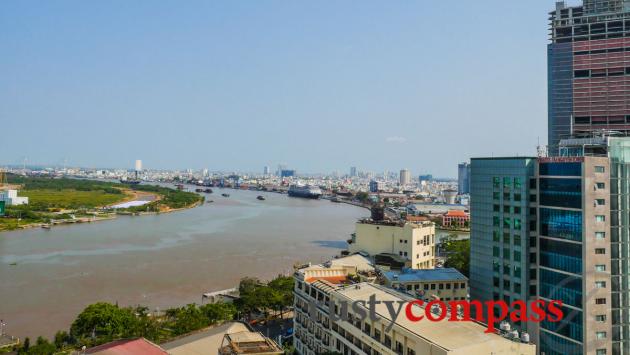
(70, 201)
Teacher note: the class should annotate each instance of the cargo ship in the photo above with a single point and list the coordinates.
(306, 191)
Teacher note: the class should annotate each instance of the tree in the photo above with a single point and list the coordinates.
(189, 318)
(62, 338)
(102, 322)
(219, 312)
(457, 254)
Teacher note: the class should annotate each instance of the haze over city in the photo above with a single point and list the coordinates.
(318, 86)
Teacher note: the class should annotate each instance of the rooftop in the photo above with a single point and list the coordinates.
(411, 275)
(247, 342)
(127, 347)
(452, 336)
(456, 213)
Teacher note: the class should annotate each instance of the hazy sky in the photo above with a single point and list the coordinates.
(236, 85)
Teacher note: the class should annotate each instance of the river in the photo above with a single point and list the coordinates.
(162, 260)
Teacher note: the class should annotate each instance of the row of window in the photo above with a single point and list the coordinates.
(496, 237)
(601, 120)
(508, 209)
(507, 182)
(602, 51)
(600, 73)
(508, 222)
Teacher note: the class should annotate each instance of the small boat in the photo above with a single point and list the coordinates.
(198, 190)
(179, 186)
(225, 195)
(209, 201)
(208, 191)
(261, 198)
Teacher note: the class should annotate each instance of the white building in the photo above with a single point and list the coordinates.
(414, 242)
(11, 198)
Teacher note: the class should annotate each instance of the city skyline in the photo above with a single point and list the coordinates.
(237, 87)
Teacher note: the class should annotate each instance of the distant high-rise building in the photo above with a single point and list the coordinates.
(205, 173)
(138, 165)
(427, 177)
(287, 173)
(266, 170)
(376, 186)
(588, 69)
(463, 178)
(405, 177)
(353, 171)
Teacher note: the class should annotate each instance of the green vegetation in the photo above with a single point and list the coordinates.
(102, 322)
(458, 254)
(171, 199)
(256, 296)
(54, 198)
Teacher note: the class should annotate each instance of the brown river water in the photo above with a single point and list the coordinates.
(162, 260)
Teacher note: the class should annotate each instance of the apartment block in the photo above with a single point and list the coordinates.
(446, 284)
(323, 323)
(413, 241)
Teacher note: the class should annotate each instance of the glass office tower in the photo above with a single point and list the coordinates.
(502, 224)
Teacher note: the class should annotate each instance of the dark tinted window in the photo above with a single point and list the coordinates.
(561, 169)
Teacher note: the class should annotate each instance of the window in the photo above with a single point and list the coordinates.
(496, 208)
(600, 251)
(601, 318)
(496, 195)
(507, 182)
(600, 268)
(517, 255)
(496, 182)
(600, 301)
(496, 251)
(517, 197)
(517, 210)
(600, 169)
(517, 224)
(582, 73)
(600, 335)
(600, 202)
(600, 235)
(600, 352)
(517, 183)
(433, 286)
(600, 186)
(496, 221)
(496, 236)
(507, 222)
(448, 286)
(600, 284)
(506, 238)
(441, 286)
(600, 218)
(506, 209)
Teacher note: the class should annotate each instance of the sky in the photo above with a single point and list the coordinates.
(235, 85)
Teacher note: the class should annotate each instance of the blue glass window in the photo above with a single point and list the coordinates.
(561, 192)
(551, 344)
(561, 224)
(560, 255)
(560, 169)
(556, 286)
(570, 326)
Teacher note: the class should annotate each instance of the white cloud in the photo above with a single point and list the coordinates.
(396, 139)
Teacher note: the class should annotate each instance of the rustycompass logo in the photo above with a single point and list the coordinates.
(489, 312)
